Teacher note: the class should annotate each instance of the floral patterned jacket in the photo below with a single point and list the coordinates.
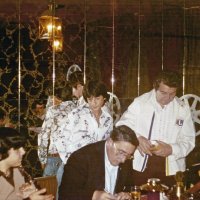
(81, 128)
(50, 140)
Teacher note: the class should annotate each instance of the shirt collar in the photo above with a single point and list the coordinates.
(107, 161)
(156, 105)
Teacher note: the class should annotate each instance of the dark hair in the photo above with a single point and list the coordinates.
(14, 118)
(96, 89)
(64, 93)
(10, 138)
(76, 78)
(38, 102)
(169, 78)
(124, 133)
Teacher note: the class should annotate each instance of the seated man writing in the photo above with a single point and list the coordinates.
(101, 170)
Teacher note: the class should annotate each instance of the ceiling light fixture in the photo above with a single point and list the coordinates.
(57, 44)
(50, 26)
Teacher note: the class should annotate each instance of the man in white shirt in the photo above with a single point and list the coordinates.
(164, 127)
(102, 170)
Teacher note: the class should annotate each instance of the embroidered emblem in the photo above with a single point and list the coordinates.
(179, 122)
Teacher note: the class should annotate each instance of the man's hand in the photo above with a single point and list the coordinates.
(26, 189)
(29, 191)
(123, 196)
(102, 195)
(39, 195)
(163, 149)
(144, 146)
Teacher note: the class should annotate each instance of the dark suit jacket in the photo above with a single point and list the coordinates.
(85, 172)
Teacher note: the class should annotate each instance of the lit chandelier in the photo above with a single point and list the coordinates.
(50, 27)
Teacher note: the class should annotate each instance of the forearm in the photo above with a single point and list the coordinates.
(185, 141)
(182, 148)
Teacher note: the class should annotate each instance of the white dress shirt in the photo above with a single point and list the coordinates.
(110, 174)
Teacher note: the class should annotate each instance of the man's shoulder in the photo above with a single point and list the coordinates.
(179, 102)
(181, 105)
(96, 145)
(67, 106)
(144, 97)
(81, 109)
(68, 103)
(93, 148)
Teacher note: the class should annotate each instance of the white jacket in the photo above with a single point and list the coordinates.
(174, 127)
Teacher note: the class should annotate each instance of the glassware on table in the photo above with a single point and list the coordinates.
(135, 192)
(178, 191)
(154, 188)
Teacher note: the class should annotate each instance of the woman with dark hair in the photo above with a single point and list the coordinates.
(12, 175)
(30, 161)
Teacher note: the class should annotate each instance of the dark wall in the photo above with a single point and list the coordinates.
(131, 46)
(136, 44)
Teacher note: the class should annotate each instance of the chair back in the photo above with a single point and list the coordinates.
(193, 101)
(48, 182)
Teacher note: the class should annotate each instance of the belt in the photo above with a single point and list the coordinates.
(54, 155)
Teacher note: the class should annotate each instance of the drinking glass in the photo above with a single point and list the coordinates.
(135, 192)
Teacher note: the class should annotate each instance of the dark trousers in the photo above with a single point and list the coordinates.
(155, 169)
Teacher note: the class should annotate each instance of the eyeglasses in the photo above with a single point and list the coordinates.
(122, 153)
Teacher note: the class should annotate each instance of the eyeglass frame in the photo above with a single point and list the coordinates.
(123, 153)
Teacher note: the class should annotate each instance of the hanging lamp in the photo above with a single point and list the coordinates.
(57, 44)
(50, 26)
